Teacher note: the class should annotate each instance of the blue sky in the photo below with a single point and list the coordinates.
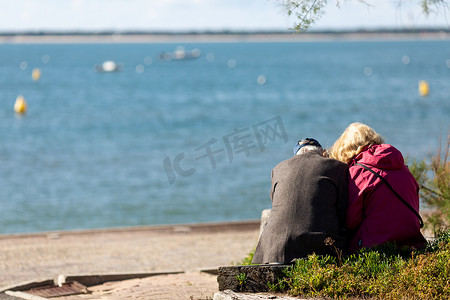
(186, 15)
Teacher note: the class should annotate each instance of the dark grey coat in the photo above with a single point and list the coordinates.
(309, 198)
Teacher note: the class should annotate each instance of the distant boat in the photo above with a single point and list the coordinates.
(180, 54)
(108, 67)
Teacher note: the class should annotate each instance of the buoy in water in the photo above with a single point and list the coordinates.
(36, 74)
(20, 106)
(424, 88)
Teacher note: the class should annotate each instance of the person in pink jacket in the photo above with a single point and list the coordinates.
(383, 203)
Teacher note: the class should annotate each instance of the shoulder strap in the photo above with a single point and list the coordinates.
(396, 194)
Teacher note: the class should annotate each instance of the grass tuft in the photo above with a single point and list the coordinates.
(384, 272)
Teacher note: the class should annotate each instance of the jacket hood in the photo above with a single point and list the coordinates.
(382, 156)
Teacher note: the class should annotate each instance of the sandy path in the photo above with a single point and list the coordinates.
(43, 256)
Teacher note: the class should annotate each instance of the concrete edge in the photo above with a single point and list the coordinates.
(91, 280)
(214, 271)
(87, 280)
(96, 279)
(231, 295)
(26, 285)
(170, 228)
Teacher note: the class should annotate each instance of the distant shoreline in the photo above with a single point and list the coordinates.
(214, 37)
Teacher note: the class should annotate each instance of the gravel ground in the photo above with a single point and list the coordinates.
(35, 257)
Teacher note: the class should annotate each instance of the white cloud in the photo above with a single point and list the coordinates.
(77, 4)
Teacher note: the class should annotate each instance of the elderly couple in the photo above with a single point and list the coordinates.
(362, 195)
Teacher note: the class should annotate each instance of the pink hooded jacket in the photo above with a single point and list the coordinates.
(375, 215)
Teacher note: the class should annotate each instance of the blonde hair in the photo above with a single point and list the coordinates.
(353, 140)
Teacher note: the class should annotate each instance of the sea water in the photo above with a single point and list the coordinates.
(194, 140)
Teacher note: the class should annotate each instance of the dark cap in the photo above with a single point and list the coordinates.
(306, 142)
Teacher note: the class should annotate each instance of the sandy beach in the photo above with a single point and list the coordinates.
(216, 37)
(34, 257)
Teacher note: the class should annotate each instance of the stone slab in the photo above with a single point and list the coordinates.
(230, 295)
(254, 278)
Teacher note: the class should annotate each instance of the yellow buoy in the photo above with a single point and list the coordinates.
(424, 88)
(20, 106)
(36, 74)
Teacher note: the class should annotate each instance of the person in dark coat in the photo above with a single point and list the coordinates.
(309, 200)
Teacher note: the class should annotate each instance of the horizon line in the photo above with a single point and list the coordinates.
(218, 32)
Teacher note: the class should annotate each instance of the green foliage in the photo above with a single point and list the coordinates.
(385, 272)
(433, 177)
(241, 278)
(307, 12)
(432, 5)
(248, 260)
